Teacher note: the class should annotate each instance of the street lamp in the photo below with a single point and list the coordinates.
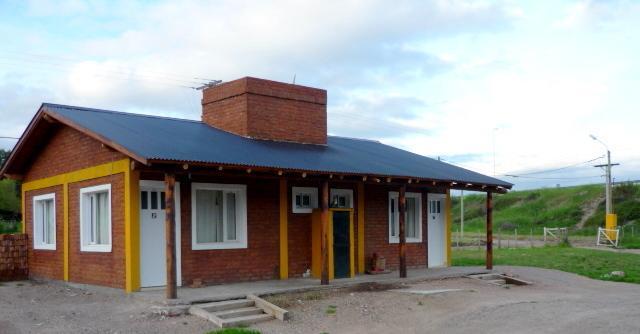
(609, 207)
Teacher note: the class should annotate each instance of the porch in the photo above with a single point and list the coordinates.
(269, 287)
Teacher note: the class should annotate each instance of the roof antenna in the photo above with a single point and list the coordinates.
(294, 78)
(211, 83)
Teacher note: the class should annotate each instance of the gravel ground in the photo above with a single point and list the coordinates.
(557, 302)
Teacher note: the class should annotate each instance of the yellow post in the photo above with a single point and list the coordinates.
(65, 231)
(284, 238)
(448, 220)
(360, 195)
(132, 230)
(611, 222)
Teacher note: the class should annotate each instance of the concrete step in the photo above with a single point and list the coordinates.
(245, 320)
(498, 281)
(226, 305)
(238, 312)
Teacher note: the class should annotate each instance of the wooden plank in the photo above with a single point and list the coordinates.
(402, 245)
(284, 225)
(269, 308)
(324, 217)
(489, 258)
(170, 235)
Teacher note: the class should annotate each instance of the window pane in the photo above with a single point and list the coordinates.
(102, 218)
(154, 200)
(298, 200)
(144, 200)
(162, 201)
(48, 222)
(208, 216)
(392, 217)
(411, 224)
(306, 200)
(438, 206)
(231, 216)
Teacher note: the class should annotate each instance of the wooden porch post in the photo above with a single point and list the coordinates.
(170, 234)
(324, 218)
(402, 205)
(489, 259)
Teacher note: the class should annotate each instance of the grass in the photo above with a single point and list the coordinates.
(551, 207)
(331, 310)
(586, 262)
(7, 227)
(238, 330)
(629, 242)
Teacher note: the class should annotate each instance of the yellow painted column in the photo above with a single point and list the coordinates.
(24, 202)
(65, 230)
(360, 196)
(132, 230)
(448, 222)
(284, 225)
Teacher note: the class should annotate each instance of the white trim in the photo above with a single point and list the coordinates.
(37, 244)
(242, 234)
(85, 247)
(159, 185)
(341, 192)
(313, 200)
(395, 195)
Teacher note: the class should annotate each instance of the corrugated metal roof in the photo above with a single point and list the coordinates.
(161, 138)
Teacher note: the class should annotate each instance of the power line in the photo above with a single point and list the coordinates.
(553, 178)
(6, 137)
(552, 170)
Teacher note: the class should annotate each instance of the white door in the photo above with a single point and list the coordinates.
(153, 257)
(436, 231)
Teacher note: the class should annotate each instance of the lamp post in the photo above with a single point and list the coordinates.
(609, 207)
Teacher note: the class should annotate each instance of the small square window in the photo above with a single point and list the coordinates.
(341, 198)
(304, 199)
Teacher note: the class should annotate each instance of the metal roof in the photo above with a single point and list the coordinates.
(181, 140)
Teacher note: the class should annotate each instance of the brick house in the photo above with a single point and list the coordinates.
(256, 190)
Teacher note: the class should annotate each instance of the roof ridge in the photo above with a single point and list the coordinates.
(119, 112)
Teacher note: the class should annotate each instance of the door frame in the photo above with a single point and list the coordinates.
(316, 240)
(443, 198)
(160, 185)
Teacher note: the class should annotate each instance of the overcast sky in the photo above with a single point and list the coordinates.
(461, 80)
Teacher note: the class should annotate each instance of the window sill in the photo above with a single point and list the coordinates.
(219, 245)
(45, 247)
(96, 248)
(408, 241)
(302, 210)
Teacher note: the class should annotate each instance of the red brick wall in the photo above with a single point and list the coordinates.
(68, 150)
(13, 257)
(259, 261)
(267, 109)
(96, 267)
(45, 263)
(65, 151)
(377, 230)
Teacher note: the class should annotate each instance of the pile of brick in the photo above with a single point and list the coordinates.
(13, 257)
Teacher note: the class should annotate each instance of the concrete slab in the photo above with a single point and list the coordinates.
(271, 287)
(429, 292)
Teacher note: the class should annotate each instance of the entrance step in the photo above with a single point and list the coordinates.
(238, 312)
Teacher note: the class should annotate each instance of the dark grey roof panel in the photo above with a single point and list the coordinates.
(182, 140)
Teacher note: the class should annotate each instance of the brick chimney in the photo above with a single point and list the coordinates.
(264, 109)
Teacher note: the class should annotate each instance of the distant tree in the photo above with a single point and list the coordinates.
(4, 154)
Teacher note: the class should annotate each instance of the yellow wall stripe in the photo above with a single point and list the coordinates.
(132, 226)
(284, 225)
(360, 195)
(448, 226)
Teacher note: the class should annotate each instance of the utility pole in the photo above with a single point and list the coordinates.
(608, 183)
(461, 214)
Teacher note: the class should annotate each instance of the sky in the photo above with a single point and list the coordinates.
(505, 88)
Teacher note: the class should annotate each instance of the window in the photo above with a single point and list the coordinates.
(413, 217)
(44, 222)
(341, 198)
(95, 219)
(219, 216)
(304, 199)
(434, 206)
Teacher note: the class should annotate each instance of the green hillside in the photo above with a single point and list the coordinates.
(580, 207)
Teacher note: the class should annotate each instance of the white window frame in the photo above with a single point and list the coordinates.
(341, 192)
(38, 230)
(313, 194)
(241, 217)
(394, 195)
(85, 219)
